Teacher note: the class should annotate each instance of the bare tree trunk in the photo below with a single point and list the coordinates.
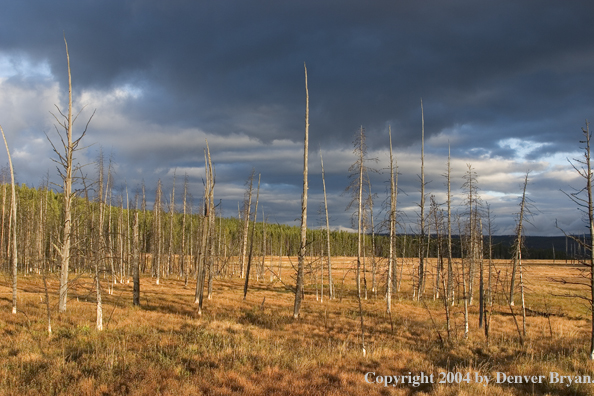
(211, 223)
(360, 217)
(303, 243)
(246, 224)
(489, 301)
(518, 245)
(392, 253)
(121, 239)
(330, 283)
(113, 279)
(481, 275)
(136, 261)
(66, 170)
(47, 304)
(157, 233)
(183, 263)
(261, 271)
(206, 227)
(373, 262)
(170, 257)
(518, 255)
(591, 228)
(421, 283)
(249, 263)
(13, 206)
(2, 250)
(464, 286)
(450, 288)
(67, 229)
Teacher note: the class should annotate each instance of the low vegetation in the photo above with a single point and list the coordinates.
(254, 346)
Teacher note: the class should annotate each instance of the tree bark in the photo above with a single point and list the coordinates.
(392, 253)
(13, 206)
(67, 228)
(421, 283)
(330, 283)
(249, 263)
(303, 242)
(136, 261)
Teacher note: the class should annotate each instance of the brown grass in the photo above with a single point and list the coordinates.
(250, 347)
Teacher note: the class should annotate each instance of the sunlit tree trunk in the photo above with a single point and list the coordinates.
(13, 205)
(330, 282)
(392, 252)
(303, 241)
(421, 276)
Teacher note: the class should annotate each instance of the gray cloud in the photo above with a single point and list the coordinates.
(166, 76)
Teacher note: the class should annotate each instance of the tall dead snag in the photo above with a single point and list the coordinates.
(211, 222)
(157, 240)
(206, 227)
(183, 262)
(449, 289)
(586, 205)
(489, 301)
(392, 253)
(421, 280)
(247, 205)
(517, 259)
(170, 257)
(330, 284)
(473, 202)
(370, 198)
(481, 276)
(136, 262)
(358, 174)
(249, 263)
(101, 247)
(66, 171)
(303, 242)
(13, 205)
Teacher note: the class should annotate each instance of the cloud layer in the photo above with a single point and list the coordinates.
(506, 84)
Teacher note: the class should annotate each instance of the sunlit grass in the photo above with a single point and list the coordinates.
(255, 347)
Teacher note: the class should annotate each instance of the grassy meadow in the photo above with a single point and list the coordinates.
(255, 347)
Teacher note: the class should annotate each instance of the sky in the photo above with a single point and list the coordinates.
(507, 84)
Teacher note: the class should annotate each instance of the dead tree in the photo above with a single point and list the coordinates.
(249, 263)
(66, 169)
(450, 284)
(136, 262)
(393, 202)
(517, 259)
(170, 253)
(13, 205)
(247, 205)
(473, 203)
(183, 263)
(303, 237)
(421, 280)
(208, 209)
(211, 223)
(157, 239)
(587, 174)
(330, 283)
(489, 299)
(358, 174)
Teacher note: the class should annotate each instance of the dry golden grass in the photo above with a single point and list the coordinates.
(255, 347)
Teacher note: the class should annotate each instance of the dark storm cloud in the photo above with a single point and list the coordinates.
(221, 65)
(232, 71)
